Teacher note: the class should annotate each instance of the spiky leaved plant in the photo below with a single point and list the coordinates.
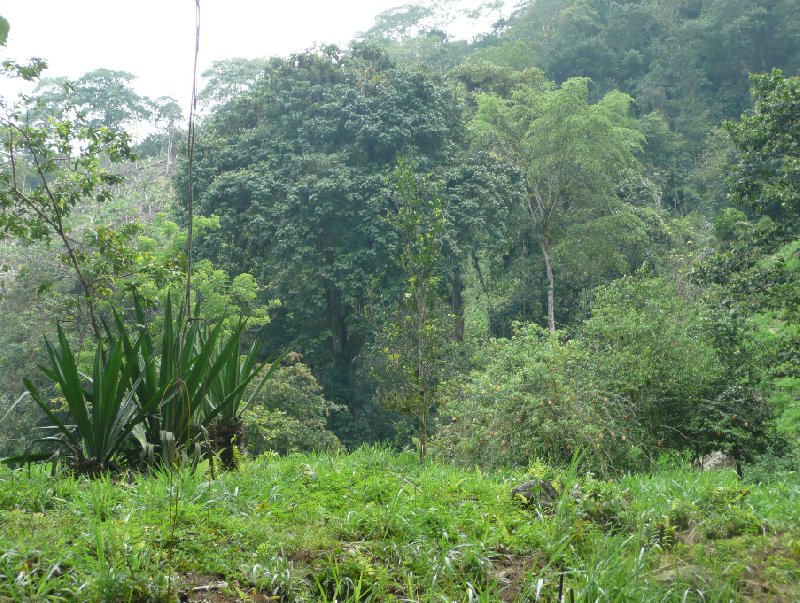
(197, 382)
(105, 410)
(226, 395)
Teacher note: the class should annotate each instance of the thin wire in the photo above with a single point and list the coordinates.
(190, 151)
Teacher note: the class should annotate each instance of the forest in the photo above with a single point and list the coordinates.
(513, 318)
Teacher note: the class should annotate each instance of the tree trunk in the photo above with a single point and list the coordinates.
(423, 438)
(225, 436)
(458, 306)
(337, 324)
(479, 272)
(551, 310)
(169, 151)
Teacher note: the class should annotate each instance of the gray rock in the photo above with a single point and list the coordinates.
(717, 460)
(536, 492)
(686, 574)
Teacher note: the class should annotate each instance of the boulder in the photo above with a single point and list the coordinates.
(717, 460)
(685, 574)
(537, 492)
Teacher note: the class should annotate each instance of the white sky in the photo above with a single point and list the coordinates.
(154, 39)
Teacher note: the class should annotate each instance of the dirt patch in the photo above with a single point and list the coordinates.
(764, 569)
(511, 573)
(304, 555)
(691, 537)
(198, 588)
(759, 586)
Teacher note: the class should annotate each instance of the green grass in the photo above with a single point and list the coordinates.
(373, 526)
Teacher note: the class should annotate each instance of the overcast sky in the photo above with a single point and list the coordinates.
(154, 39)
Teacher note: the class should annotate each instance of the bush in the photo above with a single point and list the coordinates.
(647, 342)
(738, 421)
(18, 418)
(527, 404)
(290, 413)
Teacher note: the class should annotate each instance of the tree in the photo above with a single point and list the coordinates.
(416, 342)
(225, 80)
(688, 60)
(165, 114)
(766, 176)
(104, 98)
(50, 166)
(296, 169)
(399, 23)
(573, 152)
(4, 28)
(752, 284)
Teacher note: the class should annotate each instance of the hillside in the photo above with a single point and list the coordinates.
(374, 526)
(414, 318)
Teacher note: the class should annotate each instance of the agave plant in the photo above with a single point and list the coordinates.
(197, 377)
(104, 411)
(173, 382)
(226, 396)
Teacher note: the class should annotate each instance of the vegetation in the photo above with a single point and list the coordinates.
(374, 525)
(563, 256)
(413, 348)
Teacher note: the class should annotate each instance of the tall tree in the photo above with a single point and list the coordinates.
(573, 152)
(767, 174)
(225, 80)
(297, 171)
(105, 98)
(49, 167)
(4, 28)
(165, 114)
(416, 343)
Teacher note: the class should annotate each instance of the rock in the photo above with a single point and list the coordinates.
(717, 460)
(538, 492)
(221, 584)
(686, 574)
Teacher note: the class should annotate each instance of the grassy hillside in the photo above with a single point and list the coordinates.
(373, 526)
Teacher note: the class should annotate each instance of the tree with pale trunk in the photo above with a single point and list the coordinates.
(573, 152)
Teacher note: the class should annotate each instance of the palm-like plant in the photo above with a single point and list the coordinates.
(104, 413)
(174, 382)
(197, 378)
(226, 396)
(194, 386)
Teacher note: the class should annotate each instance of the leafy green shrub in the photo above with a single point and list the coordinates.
(663, 533)
(772, 467)
(603, 503)
(527, 404)
(771, 337)
(290, 414)
(681, 513)
(647, 341)
(735, 521)
(738, 421)
(726, 512)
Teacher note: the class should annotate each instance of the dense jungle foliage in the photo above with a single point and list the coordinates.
(568, 248)
(407, 214)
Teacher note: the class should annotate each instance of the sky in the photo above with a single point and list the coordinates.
(154, 39)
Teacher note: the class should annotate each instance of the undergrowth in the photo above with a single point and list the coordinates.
(374, 526)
